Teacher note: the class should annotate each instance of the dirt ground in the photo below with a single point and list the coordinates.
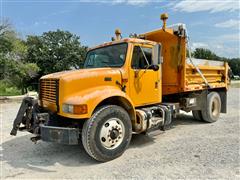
(190, 149)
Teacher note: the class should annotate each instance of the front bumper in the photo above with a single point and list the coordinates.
(61, 135)
(31, 118)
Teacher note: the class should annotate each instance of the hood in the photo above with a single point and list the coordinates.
(81, 73)
(75, 81)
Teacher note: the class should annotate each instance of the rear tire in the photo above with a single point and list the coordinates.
(107, 134)
(213, 109)
(197, 114)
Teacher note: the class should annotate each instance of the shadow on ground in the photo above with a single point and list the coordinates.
(20, 152)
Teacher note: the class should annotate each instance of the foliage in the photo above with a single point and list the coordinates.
(14, 71)
(7, 89)
(235, 65)
(202, 53)
(19, 74)
(55, 51)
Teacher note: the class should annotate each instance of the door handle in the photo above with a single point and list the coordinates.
(156, 84)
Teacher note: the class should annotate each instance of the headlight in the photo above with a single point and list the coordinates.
(75, 109)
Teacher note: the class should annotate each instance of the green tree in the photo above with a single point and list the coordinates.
(55, 51)
(13, 67)
(234, 63)
(20, 74)
(6, 45)
(202, 53)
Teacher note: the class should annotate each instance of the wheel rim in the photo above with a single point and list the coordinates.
(112, 133)
(215, 107)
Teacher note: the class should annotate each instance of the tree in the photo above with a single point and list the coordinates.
(6, 45)
(19, 74)
(13, 67)
(55, 51)
(235, 65)
(202, 53)
(5, 27)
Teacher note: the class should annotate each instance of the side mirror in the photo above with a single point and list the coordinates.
(156, 54)
(154, 67)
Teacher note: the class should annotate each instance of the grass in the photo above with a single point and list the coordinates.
(8, 90)
(235, 84)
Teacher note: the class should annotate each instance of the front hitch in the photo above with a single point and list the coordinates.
(32, 118)
(26, 115)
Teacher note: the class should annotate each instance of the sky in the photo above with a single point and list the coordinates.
(212, 24)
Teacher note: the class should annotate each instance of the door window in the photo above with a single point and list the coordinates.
(138, 59)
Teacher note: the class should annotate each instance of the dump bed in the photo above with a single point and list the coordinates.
(178, 73)
(215, 72)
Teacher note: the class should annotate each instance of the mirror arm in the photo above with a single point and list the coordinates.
(144, 56)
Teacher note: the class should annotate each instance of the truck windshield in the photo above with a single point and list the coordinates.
(108, 56)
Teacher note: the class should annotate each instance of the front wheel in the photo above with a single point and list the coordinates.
(107, 134)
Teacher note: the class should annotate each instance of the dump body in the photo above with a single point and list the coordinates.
(215, 72)
(179, 74)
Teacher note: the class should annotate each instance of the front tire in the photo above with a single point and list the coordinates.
(213, 109)
(107, 134)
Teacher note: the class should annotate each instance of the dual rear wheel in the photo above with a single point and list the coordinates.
(212, 110)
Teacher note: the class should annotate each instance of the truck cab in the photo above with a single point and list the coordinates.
(120, 69)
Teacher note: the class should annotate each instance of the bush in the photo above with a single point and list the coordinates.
(7, 90)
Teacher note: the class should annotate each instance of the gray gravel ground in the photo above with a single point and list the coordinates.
(190, 150)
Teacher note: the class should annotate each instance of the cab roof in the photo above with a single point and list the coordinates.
(127, 40)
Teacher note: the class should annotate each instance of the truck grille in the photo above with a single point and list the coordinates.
(49, 90)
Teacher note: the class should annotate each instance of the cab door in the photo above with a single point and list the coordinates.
(145, 83)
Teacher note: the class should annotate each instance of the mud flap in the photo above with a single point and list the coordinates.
(24, 115)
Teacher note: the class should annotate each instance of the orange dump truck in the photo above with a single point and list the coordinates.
(133, 85)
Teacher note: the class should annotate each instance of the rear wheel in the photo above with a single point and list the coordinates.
(197, 114)
(213, 109)
(107, 134)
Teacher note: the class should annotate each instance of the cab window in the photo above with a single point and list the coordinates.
(138, 59)
(108, 56)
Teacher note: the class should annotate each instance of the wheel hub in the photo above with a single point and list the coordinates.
(112, 133)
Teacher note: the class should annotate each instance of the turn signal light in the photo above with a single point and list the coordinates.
(80, 109)
(75, 109)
